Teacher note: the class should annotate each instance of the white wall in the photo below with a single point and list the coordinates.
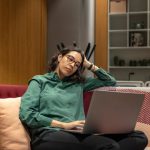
(68, 21)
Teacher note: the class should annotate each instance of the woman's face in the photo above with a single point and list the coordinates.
(68, 64)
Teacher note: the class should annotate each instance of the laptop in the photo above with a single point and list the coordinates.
(112, 112)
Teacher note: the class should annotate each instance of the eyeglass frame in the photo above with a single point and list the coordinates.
(71, 59)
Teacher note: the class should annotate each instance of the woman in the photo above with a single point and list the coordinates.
(54, 102)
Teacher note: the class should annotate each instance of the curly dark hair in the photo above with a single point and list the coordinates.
(77, 76)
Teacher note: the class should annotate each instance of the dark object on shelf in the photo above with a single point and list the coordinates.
(121, 62)
(136, 39)
(130, 63)
(140, 63)
(133, 63)
(139, 25)
(148, 62)
(129, 75)
(145, 62)
(116, 60)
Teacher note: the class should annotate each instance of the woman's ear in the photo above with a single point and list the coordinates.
(59, 58)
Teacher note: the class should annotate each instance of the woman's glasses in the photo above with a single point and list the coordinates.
(71, 59)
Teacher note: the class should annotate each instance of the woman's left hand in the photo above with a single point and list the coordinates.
(86, 63)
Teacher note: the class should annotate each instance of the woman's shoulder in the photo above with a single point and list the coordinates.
(38, 77)
(43, 77)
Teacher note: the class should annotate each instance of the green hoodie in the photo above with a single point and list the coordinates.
(49, 97)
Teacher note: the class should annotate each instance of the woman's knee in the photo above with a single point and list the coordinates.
(101, 143)
(134, 140)
(56, 141)
(140, 136)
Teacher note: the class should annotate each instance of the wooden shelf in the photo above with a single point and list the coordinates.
(129, 40)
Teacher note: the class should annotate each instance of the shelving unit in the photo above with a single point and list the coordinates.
(129, 40)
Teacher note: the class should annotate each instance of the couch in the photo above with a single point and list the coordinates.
(13, 135)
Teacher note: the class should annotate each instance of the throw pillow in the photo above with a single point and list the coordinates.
(145, 128)
(12, 132)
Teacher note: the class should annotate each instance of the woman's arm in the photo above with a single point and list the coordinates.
(90, 66)
(68, 125)
(103, 78)
(29, 108)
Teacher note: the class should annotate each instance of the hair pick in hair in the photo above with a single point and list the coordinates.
(87, 50)
(74, 44)
(89, 56)
(62, 45)
(58, 47)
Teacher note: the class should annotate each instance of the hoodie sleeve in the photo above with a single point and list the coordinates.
(29, 109)
(102, 79)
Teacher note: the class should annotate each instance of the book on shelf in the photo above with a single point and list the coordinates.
(118, 6)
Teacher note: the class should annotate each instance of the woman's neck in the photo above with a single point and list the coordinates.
(57, 70)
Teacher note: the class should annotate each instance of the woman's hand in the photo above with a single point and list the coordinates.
(75, 124)
(68, 125)
(86, 63)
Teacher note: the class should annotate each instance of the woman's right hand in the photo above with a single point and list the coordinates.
(68, 125)
(75, 124)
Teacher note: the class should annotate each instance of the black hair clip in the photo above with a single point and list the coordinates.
(60, 47)
(74, 44)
